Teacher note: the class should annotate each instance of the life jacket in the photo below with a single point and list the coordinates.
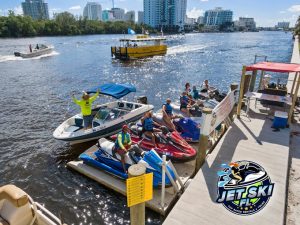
(195, 94)
(148, 124)
(169, 109)
(184, 101)
(125, 139)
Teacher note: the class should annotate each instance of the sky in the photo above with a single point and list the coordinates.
(265, 12)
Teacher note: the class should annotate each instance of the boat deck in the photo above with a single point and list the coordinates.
(184, 171)
(248, 139)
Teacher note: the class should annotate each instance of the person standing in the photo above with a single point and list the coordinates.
(86, 108)
(123, 144)
(168, 116)
(30, 48)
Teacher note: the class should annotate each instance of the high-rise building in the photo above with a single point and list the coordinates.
(37, 9)
(168, 13)
(283, 25)
(200, 20)
(119, 14)
(92, 11)
(217, 16)
(140, 17)
(130, 16)
(107, 15)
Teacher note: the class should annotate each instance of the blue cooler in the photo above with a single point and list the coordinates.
(280, 119)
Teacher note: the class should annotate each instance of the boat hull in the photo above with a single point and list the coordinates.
(34, 53)
(126, 53)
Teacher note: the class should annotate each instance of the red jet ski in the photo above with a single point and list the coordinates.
(170, 144)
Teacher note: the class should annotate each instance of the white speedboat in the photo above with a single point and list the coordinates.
(108, 118)
(18, 208)
(42, 50)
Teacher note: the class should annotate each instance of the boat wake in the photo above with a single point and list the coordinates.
(185, 48)
(5, 58)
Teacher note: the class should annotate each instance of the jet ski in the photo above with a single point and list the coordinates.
(169, 143)
(103, 157)
(189, 130)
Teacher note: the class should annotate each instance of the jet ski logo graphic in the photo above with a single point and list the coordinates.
(244, 187)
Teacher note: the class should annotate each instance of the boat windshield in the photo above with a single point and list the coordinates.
(105, 115)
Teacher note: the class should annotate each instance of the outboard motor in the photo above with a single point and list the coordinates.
(142, 100)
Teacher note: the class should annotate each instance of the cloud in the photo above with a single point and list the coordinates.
(75, 7)
(18, 10)
(294, 8)
(195, 13)
(204, 0)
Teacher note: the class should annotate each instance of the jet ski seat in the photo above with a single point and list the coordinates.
(137, 130)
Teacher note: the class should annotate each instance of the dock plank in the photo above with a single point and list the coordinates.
(248, 139)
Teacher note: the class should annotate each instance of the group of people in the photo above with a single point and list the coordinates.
(190, 96)
(36, 47)
(150, 127)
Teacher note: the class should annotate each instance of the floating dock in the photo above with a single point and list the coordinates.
(250, 139)
(184, 170)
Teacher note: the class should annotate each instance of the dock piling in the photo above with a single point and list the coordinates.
(137, 212)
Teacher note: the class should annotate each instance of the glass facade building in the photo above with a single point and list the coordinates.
(92, 11)
(217, 17)
(37, 9)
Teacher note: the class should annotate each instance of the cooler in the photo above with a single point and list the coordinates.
(280, 119)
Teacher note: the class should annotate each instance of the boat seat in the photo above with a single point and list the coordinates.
(15, 209)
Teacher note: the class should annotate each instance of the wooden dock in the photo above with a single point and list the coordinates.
(184, 171)
(248, 139)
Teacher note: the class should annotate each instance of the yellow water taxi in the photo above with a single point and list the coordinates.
(139, 47)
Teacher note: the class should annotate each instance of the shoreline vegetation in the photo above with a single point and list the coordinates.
(63, 24)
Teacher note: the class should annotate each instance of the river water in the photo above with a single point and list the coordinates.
(35, 99)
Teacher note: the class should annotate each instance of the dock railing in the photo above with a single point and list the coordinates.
(215, 123)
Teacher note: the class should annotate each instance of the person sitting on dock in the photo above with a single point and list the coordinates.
(184, 103)
(86, 108)
(123, 144)
(148, 126)
(188, 89)
(168, 115)
(195, 93)
(205, 87)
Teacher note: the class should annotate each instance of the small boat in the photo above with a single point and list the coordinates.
(169, 143)
(101, 156)
(139, 47)
(42, 50)
(17, 207)
(108, 118)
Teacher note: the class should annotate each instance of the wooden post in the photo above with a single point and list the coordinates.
(293, 86)
(253, 79)
(233, 86)
(203, 140)
(241, 92)
(295, 95)
(261, 78)
(137, 212)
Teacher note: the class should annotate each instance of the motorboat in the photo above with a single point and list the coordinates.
(141, 46)
(18, 208)
(108, 118)
(103, 157)
(168, 143)
(188, 129)
(41, 50)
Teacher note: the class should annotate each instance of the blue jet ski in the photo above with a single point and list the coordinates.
(189, 129)
(103, 157)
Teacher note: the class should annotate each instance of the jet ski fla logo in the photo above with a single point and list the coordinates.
(244, 187)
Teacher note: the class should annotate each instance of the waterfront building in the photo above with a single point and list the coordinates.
(118, 13)
(140, 17)
(165, 13)
(92, 11)
(217, 17)
(107, 15)
(283, 25)
(200, 20)
(36, 9)
(245, 23)
(130, 16)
